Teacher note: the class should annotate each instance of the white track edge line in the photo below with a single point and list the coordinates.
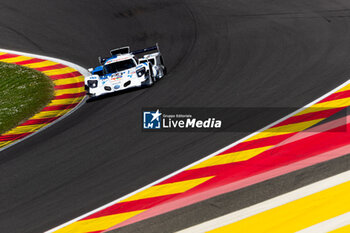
(82, 70)
(269, 204)
(329, 225)
(199, 161)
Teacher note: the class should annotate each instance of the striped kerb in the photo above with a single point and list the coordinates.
(69, 92)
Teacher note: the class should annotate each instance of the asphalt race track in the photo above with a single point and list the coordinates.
(255, 53)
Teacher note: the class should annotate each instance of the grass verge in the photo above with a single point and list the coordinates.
(23, 92)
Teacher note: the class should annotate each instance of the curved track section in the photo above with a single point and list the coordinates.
(227, 53)
(68, 93)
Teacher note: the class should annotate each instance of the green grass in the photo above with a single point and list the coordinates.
(23, 92)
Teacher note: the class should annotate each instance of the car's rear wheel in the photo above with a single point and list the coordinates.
(149, 81)
(164, 67)
(152, 76)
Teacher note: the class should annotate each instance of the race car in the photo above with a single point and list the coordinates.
(124, 70)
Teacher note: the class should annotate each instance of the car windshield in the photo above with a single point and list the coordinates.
(120, 66)
(98, 72)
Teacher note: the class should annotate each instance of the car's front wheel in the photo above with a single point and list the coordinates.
(165, 71)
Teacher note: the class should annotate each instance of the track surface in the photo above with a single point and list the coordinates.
(227, 203)
(225, 54)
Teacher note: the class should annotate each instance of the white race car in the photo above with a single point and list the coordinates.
(124, 70)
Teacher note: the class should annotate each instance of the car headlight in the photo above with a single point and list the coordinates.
(141, 72)
(92, 83)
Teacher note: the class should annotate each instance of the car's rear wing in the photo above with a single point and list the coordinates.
(145, 50)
